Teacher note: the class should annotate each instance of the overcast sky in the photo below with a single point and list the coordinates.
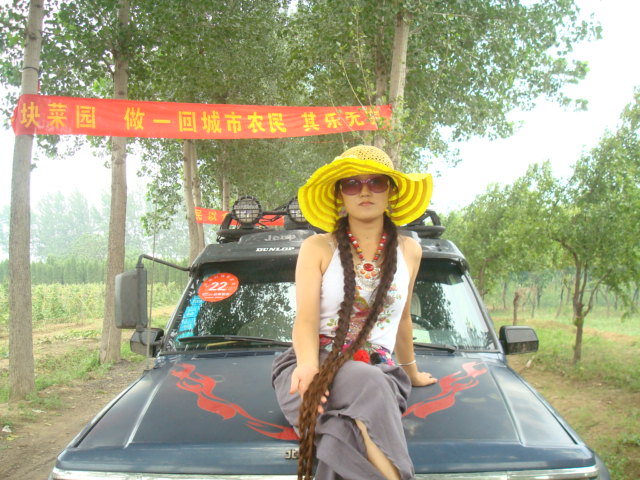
(547, 133)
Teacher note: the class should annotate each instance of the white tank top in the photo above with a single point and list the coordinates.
(385, 330)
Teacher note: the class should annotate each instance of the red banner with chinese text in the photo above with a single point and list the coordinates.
(51, 115)
(215, 217)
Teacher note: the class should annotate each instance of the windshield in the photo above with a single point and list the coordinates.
(256, 300)
(244, 298)
(445, 311)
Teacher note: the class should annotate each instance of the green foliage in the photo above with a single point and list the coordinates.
(501, 232)
(541, 223)
(77, 303)
(594, 216)
(69, 238)
(71, 270)
(201, 53)
(468, 63)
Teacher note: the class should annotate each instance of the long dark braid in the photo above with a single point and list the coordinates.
(335, 360)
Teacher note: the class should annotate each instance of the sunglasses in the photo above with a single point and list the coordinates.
(353, 186)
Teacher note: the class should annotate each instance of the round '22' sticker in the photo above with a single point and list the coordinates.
(218, 287)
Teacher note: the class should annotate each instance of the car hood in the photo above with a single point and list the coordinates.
(215, 413)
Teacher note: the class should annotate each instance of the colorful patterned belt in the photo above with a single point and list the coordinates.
(369, 353)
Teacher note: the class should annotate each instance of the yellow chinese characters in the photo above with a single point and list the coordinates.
(211, 123)
(233, 122)
(310, 122)
(187, 121)
(255, 123)
(57, 115)
(29, 114)
(276, 123)
(85, 116)
(133, 117)
(354, 119)
(332, 120)
(212, 216)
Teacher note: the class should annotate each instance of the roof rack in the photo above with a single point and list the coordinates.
(247, 217)
(434, 230)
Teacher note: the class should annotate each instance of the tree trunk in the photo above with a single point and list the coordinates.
(607, 303)
(21, 365)
(577, 348)
(505, 285)
(112, 336)
(197, 194)
(517, 296)
(559, 310)
(225, 186)
(189, 166)
(398, 79)
(578, 307)
(481, 280)
(382, 80)
(535, 300)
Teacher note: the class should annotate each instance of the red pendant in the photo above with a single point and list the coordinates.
(368, 267)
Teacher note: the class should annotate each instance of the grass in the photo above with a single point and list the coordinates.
(78, 363)
(74, 363)
(621, 452)
(610, 358)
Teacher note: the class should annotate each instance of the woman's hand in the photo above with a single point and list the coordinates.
(422, 379)
(301, 378)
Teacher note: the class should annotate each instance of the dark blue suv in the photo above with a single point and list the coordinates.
(206, 410)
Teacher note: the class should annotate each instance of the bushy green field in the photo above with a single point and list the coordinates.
(78, 309)
(76, 303)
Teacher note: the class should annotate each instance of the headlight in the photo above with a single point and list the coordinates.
(247, 211)
(294, 212)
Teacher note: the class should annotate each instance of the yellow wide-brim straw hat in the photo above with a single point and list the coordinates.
(317, 197)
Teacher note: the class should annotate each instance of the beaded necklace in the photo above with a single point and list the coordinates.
(368, 272)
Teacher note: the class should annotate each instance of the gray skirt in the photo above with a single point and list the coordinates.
(374, 394)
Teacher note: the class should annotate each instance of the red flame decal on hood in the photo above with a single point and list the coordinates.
(203, 386)
(449, 385)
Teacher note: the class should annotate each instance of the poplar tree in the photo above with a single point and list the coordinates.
(21, 364)
(467, 63)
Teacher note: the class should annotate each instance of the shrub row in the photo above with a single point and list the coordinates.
(74, 303)
(70, 270)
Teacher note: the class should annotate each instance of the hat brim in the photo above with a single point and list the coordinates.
(320, 208)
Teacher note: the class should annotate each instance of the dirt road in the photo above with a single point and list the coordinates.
(30, 450)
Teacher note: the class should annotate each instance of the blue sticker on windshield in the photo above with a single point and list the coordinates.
(188, 323)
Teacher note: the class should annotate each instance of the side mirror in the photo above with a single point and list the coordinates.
(516, 339)
(131, 299)
(146, 342)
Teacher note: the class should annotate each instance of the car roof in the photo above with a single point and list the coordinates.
(277, 243)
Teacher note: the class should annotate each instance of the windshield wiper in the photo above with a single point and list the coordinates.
(232, 339)
(436, 346)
